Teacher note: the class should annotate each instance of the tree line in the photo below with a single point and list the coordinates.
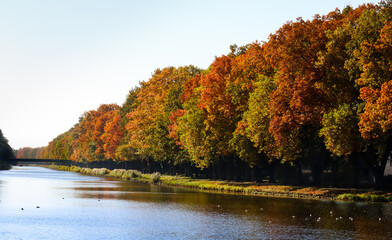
(317, 95)
(6, 152)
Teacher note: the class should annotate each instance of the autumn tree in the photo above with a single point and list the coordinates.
(298, 103)
(339, 127)
(87, 143)
(149, 121)
(375, 58)
(352, 67)
(214, 102)
(112, 135)
(124, 151)
(206, 124)
(252, 139)
(188, 127)
(250, 87)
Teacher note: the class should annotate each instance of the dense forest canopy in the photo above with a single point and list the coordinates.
(317, 93)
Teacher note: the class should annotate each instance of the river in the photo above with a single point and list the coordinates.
(40, 203)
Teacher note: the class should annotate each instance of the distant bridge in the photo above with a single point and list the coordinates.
(21, 161)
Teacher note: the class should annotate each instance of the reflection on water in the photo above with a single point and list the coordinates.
(65, 205)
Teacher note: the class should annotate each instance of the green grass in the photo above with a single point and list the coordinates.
(365, 197)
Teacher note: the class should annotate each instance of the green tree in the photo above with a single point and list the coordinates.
(6, 152)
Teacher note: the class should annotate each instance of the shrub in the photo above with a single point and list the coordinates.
(100, 171)
(376, 198)
(117, 173)
(126, 175)
(86, 171)
(155, 177)
(131, 174)
(75, 169)
(349, 197)
(63, 168)
(135, 173)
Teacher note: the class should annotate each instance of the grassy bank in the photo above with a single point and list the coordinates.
(238, 187)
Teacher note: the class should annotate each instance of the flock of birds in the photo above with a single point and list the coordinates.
(293, 217)
(317, 219)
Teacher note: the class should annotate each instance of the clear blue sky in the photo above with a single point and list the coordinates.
(59, 59)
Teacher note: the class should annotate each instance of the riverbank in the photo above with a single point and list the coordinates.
(4, 165)
(264, 189)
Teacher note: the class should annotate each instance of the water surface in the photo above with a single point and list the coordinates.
(66, 205)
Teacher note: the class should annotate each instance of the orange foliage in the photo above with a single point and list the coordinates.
(89, 145)
(173, 127)
(377, 116)
(112, 135)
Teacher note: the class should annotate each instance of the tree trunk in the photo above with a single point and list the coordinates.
(334, 171)
(378, 168)
(238, 170)
(300, 176)
(271, 172)
(316, 173)
(286, 172)
(355, 172)
(378, 172)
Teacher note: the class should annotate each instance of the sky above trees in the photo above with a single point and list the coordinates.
(61, 58)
